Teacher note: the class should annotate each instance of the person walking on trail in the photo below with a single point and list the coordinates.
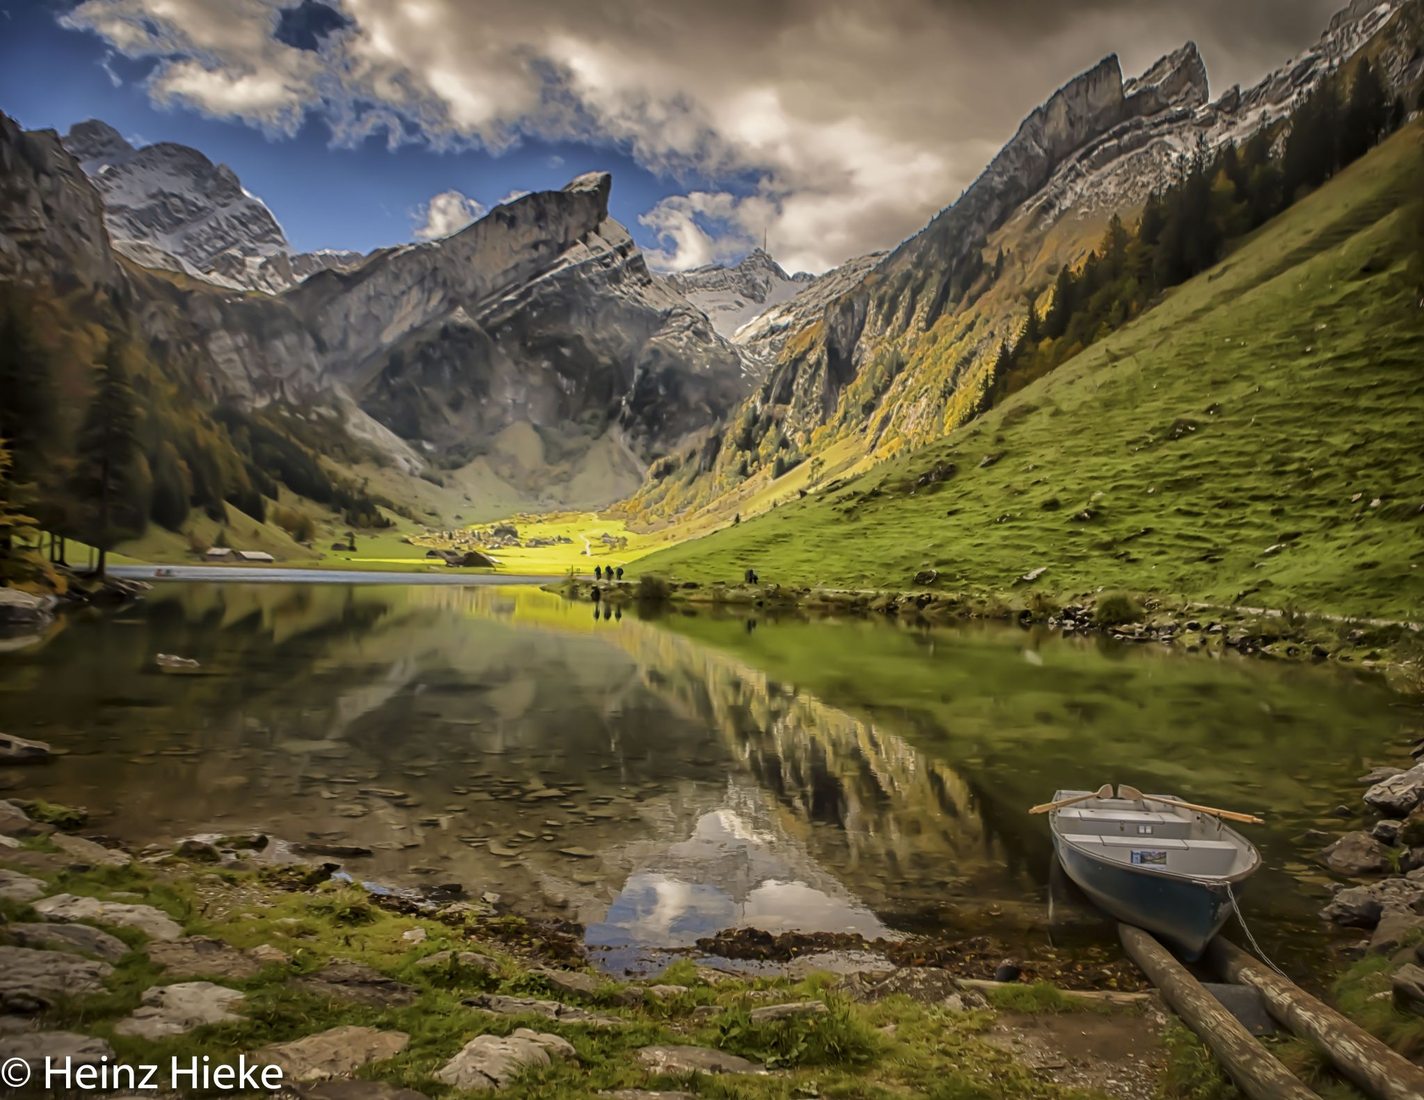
(598, 572)
(620, 572)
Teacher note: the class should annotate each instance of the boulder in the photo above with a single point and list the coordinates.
(15, 822)
(1411, 829)
(349, 981)
(489, 1062)
(1386, 831)
(791, 1011)
(203, 956)
(86, 854)
(21, 609)
(20, 888)
(575, 982)
(678, 1060)
(21, 750)
(1407, 988)
(174, 1009)
(1397, 795)
(1379, 775)
(338, 1052)
(267, 955)
(44, 975)
(34, 1047)
(1362, 906)
(77, 938)
(530, 1006)
(1398, 925)
(458, 964)
(1357, 853)
(153, 923)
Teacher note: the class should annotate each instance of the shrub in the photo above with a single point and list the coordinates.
(838, 1037)
(1117, 609)
(652, 586)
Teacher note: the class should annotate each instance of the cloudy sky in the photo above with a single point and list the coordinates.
(834, 126)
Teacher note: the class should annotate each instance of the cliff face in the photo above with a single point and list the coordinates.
(542, 313)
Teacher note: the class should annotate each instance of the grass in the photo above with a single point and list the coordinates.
(895, 1048)
(1228, 446)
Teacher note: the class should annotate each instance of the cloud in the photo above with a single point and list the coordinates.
(445, 213)
(515, 194)
(836, 127)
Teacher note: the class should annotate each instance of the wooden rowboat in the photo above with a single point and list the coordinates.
(1150, 862)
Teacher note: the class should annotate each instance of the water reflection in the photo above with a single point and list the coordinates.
(659, 781)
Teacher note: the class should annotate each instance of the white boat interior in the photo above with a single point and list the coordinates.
(1153, 835)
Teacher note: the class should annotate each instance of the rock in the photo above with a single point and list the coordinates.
(1386, 831)
(79, 938)
(355, 1090)
(34, 1047)
(337, 1052)
(1033, 575)
(1398, 924)
(923, 984)
(172, 660)
(153, 923)
(194, 956)
(268, 955)
(1379, 775)
(644, 1094)
(15, 822)
(1407, 988)
(1397, 795)
(17, 887)
(85, 853)
(1007, 971)
(23, 609)
(175, 1009)
(1356, 853)
(531, 1006)
(351, 981)
(1411, 829)
(21, 750)
(1362, 906)
(489, 1062)
(459, 963)
(44, 975)
(791, 1011)
(677, 1060)
(570, 981)
(926, 576)
(198, 849)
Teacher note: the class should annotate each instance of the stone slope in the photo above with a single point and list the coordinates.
(733, 296)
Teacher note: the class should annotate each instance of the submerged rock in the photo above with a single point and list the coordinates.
(21, 750)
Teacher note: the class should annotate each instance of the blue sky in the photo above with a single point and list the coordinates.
(834, 127)
(325, 196)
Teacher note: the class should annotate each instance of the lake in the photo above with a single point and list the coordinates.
(659, 779)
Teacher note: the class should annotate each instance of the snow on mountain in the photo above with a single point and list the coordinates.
(733, 296)
(168, 206)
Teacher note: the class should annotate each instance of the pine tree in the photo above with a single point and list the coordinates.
(16, 528)
(1366, 115)
(26, 393)
(1060, 310)
(105, 480)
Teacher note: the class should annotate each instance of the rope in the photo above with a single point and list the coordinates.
(1256, 947)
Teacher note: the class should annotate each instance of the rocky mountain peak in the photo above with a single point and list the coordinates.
(597, 183)
(1177, 80)
(93, 140)
(733, 296)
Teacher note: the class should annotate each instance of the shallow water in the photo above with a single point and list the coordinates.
(661, 780)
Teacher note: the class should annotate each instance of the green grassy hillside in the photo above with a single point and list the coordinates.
(1258, 437)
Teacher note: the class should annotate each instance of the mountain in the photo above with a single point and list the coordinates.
(904, 350)
(530, 360)
(168, 206)
(732, 296)
(1251, 440)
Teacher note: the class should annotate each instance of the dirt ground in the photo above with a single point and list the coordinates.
(1120, 1054)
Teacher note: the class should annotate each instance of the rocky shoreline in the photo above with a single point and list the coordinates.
(212, 946)
(1391, 648)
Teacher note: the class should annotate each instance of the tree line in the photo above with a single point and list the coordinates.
(1218, 195)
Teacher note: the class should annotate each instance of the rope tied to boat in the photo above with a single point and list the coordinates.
(1250, 938)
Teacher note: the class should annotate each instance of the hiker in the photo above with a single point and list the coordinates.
(598, 572)
(620, 572)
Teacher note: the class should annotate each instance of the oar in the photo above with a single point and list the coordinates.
(1105, 791)
(1132, 794)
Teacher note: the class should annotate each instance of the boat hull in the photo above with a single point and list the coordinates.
(1183, 913)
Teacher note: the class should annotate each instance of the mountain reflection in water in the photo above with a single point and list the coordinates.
(661, 780)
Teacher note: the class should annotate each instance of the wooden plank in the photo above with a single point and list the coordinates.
(1098, 996)
(1358, 1055)
(1255, 1072)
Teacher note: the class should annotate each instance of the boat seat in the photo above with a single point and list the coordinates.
(1132, 822)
